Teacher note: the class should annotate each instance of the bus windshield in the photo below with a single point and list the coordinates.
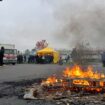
(10, 51)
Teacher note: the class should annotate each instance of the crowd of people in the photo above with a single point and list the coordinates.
(44, 59)
(38, 59)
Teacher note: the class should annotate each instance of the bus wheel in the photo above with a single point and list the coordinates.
(13, 63)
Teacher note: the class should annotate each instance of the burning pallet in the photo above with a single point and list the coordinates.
(77, 85)
(73, 80)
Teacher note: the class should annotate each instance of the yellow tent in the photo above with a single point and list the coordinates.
(50, 51)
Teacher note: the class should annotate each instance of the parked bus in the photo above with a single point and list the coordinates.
(10, 54)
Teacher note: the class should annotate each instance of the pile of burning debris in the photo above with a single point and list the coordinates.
(72, 84)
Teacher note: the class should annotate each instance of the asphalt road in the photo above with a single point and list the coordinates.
(28, 71)
(14, 78)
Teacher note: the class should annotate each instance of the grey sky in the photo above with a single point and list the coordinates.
(23, 22)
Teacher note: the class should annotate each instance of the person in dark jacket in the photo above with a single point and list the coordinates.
(1, 56)
(37, 58)
(103, 59)
(51, 58)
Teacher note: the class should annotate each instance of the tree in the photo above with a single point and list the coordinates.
(82, 53)
(41, 44)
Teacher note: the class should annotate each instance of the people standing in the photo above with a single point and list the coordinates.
(37, 58)
(103, 59)
(51, 58)
(1, 56)
(46, 59)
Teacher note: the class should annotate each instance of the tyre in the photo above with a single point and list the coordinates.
(13, 63)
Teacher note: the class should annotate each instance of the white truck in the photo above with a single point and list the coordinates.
(10, 54)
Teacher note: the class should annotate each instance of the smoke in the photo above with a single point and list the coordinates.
(81, 21)
(23, 23)
(60, 22)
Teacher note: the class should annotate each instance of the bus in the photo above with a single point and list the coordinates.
(10, 54)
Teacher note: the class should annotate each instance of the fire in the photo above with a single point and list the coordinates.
(81, 82)
(50, 81)
(78, 72)
(76, 76)
(74, 72)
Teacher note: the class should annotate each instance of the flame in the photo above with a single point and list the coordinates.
(78, 72)
(94, 89)
(50, 81)
(81, 82)
(98, 89)
(73, 72)
(102, 83)
(79, 76)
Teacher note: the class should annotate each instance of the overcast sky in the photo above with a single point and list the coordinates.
(24, 22)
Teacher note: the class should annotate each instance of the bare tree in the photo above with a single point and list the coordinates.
(41, 44)
(82, 53)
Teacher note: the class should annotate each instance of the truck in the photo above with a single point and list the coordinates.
(10, 54)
